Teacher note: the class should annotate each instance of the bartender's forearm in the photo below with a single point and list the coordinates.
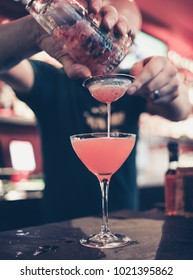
(18, 40)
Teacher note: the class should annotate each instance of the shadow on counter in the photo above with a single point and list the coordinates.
(177, 239)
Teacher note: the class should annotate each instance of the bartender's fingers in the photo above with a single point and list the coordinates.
(74, 70)
(109, 17)
(150, 74)
(163, 87)
(94, 5)
(166, 94)
(143, 73)
(122, 25)
(165, 82)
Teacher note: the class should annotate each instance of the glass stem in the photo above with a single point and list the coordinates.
(108, 118)
(104, 190)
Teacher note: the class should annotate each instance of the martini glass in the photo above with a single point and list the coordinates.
(103, 155)
(108, 88)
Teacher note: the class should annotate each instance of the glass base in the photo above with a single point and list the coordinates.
(107, 241)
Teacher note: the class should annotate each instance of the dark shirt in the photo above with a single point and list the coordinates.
(63, 108)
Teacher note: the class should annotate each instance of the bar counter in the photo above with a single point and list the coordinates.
(161, 238)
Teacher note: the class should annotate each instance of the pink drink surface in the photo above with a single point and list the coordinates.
(107, 93)
(103, 156)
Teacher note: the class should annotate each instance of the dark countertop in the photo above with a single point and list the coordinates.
(163, 238)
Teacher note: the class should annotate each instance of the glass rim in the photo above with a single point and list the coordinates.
(106, 76)
(102, 134)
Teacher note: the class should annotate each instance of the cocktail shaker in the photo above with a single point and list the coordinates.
(80, 34)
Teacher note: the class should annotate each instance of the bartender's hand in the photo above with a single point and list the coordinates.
(156, 78)
(109, 20)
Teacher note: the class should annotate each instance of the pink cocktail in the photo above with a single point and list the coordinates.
(107, 94)
(108, 88)
(103, 155)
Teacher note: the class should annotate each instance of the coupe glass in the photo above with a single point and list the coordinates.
(108, 88)
(103, 155)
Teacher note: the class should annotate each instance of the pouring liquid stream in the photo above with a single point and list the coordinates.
(108, 119)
